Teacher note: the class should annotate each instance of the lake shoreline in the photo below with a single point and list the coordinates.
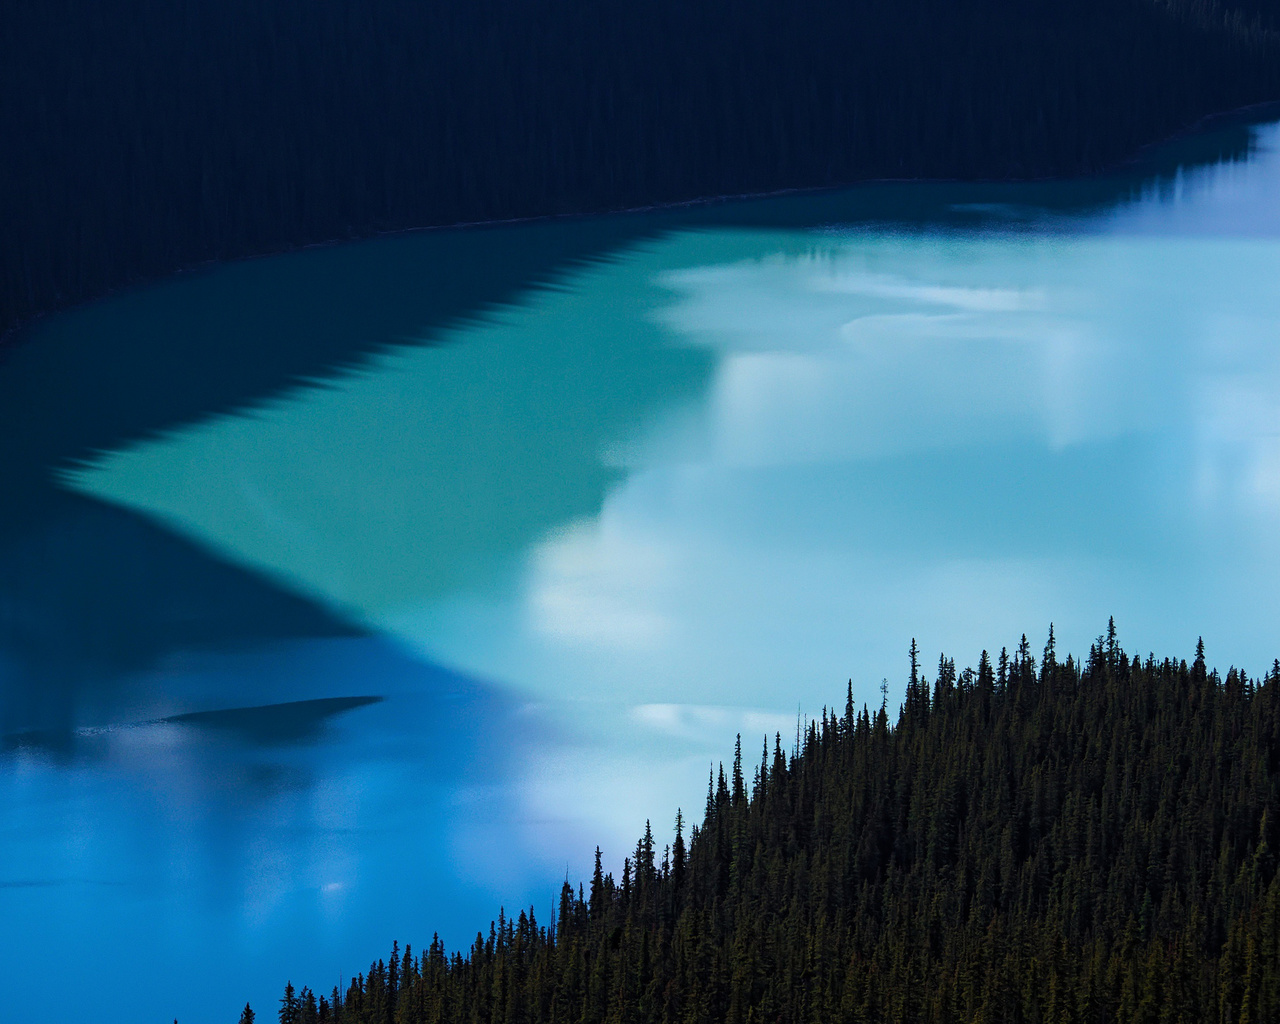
(11, 337)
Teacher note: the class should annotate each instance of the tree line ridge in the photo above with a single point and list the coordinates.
(139, 138)
(1061, 842)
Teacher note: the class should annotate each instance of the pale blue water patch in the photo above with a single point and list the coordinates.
(1019, 426)
(348, 595)
(222, 847)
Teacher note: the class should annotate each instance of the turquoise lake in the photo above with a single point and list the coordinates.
(350, 594)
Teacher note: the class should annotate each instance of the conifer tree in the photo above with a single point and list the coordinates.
(1089, 843)
(290, 1006)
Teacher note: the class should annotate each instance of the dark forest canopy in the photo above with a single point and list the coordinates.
(1058, 842)
(138, 137)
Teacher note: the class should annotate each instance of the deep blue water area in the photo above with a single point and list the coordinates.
(351, 594)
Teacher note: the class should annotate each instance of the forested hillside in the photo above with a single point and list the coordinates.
(1060, 842)
(137, 137)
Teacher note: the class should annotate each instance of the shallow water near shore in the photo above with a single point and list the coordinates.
(349, 595)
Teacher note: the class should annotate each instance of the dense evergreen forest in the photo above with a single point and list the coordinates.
(1061, 843)
(138, 137)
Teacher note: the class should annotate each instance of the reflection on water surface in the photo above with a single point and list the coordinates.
(350, 594)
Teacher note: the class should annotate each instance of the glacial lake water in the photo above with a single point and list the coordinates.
(351, 594)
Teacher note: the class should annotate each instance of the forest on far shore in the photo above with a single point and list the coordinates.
(137, 138)
(1032, 842)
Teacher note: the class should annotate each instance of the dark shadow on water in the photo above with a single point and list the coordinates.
(292, 722)
(295, 721)
(91, 595)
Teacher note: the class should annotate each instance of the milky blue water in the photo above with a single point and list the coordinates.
(350, 594)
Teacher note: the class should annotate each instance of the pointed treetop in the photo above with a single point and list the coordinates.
(1023, 659)
(739, 793)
